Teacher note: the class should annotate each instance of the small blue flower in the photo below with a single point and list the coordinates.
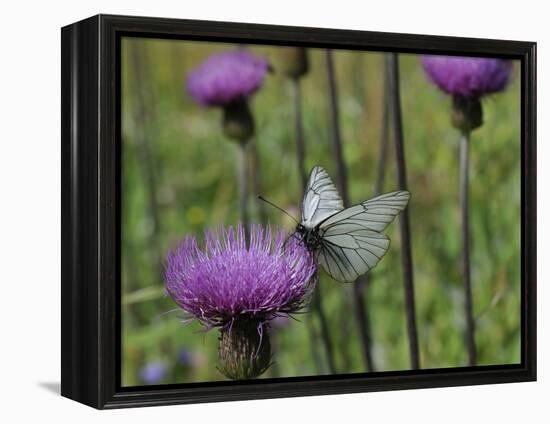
(153, 373)
(185, 357)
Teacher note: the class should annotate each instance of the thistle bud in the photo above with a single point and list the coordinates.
(244, 349)
(293, 61)
(238, 122)
(467, 113)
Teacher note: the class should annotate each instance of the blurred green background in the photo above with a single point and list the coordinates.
(179, 177)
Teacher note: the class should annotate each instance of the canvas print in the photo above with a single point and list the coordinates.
(290, 211)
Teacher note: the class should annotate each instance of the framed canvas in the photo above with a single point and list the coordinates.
(257, 211)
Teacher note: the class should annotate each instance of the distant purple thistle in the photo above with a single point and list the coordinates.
(468, 76)
(226, 77)
(228, 280)
(153, 372)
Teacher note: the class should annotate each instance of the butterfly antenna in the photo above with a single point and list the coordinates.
(277, 207)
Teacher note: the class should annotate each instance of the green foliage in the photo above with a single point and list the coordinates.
(175, 153)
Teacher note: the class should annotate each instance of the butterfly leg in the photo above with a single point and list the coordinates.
(293, 235)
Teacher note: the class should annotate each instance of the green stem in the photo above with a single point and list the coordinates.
(392, 67)
(143, 119)
(361, 311)
(255, 176)
(360, 289)
(466, 268)
(337, 151)
(299, 130)
(364, 282)
(300, 164)
(384, 136)
(325, 332)
(313, 342)
(243, 188)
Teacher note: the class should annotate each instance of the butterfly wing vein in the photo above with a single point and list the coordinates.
(321, 199)
(346, 256)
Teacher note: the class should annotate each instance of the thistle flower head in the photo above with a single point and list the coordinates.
(226, 77)
(239, 287)
(471, 77)
(227, 281)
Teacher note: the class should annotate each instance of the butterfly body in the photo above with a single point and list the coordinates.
(347, 242)
(309, 236)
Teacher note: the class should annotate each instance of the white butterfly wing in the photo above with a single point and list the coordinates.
(374, 214)
(321, 198)
(351, 240)
(346, 256)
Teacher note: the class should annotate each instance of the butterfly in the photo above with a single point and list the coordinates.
(347, 242)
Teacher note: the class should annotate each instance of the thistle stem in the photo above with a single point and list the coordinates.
(243, 188)
(256, 178)
(392, 68)
(466, 269)
(363, 283)
(337, 151)
(325, 333)
(313, 341)
(300, 164)
(384, 136)
(299, 130)
(359, 289)
(142, 118)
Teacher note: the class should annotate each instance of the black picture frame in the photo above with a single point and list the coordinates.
(90, 222)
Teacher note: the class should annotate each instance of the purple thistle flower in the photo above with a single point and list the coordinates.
(468, 76)
(229, 281)
(153, 372)
(226, 77)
